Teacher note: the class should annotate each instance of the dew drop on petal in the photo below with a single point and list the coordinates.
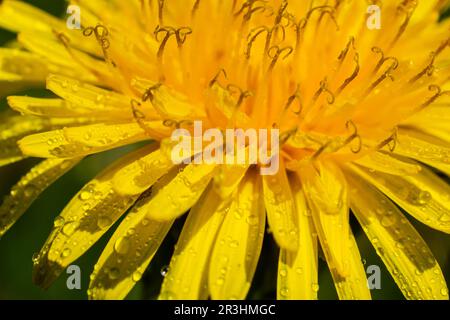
(137, 275)
(284, 292)
(122, 245)
(164, 271)
(69, 228)
(315, 287)
(114, 273)
(59, 222)
(104, 222)
(66, 252)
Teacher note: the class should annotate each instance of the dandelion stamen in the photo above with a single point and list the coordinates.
(285, 136)
(352, 77)
(343, 54)
(168, 32)
(195, 8)
(386, 74)
(161, 11)
(216, 77)
(353, 137)
(438, 94)
(101, 34)
(323, 88)
(295, 97)
(407, 7)
(275, 52)
(391, 142)
(249, 9)
(429, 69)
(149, 93)
(242, 94)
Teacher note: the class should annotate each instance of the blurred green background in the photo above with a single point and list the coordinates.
(30, 232)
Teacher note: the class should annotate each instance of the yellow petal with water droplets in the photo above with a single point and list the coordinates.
(14, 128)
(384, 162)
(400, 246)
(239, 242)
(141, 174)
(298, 271)
(58, 108)
(228, 178)
(83, 221)
(40, 107)
(186, 278)
(326, 192)
(90, 97)
(327, 196)
(28, 189)
(79, 141)
(128, 253)
(169, 103)
(280, 209)
(181, 193)
(425, 148)
(354, 286)
(424, 195)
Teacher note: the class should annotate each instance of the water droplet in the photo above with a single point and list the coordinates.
(66, 252)
(220, 281)
(122, 245)
(114, 273)
(419, 197)
(234, 244)
(388, 221)
(315, 287)
(85, 195)
(30, 190)
(444, 292)
(284, 292)
(164, 271)
(137, 275)
(104, 222)
(69, 228)
(88, 136)
(35, 257)
(283, 272)
(59, 222)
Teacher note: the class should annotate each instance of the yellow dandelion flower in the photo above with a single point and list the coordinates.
(362, 114)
